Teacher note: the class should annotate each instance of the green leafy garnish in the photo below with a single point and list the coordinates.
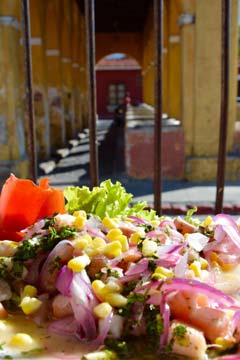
(108, 199)
(190, 213)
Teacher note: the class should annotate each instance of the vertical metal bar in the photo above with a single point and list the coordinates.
(224, 105)
(91, 76)
(26, 34)
(158, 38)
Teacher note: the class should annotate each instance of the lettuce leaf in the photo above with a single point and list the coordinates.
(108, 199)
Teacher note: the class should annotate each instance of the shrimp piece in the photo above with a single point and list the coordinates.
(194, 309)
(61, 306)
(183, 226)
(186, 340)
(97, 263)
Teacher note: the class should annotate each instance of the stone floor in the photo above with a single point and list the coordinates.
(177, 196)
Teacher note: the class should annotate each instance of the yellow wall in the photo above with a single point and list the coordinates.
(66, 67)
(39, 79)
(13, 155)
(127, 43)
(54, 74)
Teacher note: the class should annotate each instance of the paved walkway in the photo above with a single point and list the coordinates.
(73, 169)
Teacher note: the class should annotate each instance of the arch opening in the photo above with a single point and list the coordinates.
(119, 82)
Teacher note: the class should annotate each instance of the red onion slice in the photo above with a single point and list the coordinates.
(64, 280)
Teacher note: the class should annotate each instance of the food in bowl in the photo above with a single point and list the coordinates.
(92, 277)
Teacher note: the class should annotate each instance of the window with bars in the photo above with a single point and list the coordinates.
(116, 95)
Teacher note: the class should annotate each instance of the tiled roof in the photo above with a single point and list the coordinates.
(126, 63)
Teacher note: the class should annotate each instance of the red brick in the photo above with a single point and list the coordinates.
(228, 209)
(205, 209)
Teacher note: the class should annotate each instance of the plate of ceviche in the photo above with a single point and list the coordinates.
(86, 274)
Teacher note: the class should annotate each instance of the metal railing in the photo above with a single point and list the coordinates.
(90, 43)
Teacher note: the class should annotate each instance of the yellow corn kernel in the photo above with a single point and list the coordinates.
(79, 263)
(124, 241)
(224, 343)
(196, 268)
(79, 222)
(204, 263)
(113, 234)
(116, 300)
(91, 251)
(98, 243)
(111, 287)
(109, 223)
(29, 290)
(207, 221)
(29, 305)
(81, 213)
(82, 241)
(164, 271)
(97, 286)
(102, 310)
(155, 222)
(21, 340)
(113, 249)
(149, 247)
(134, 238)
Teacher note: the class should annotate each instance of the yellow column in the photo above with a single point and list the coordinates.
(187, 29)
(76, 64)
(66, 67)
(174, 61)
(148, 60)
(207, 84)
(84, 117)
(54, 75)
(13, 155)
(39, 80)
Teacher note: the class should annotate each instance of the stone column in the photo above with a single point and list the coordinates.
(13, 153)
(39, 70)
(54, 75)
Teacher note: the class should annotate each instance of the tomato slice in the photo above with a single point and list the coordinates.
(22, 203)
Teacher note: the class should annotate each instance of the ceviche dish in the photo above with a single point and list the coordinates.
(86, 274)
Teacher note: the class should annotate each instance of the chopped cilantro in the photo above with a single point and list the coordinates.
(3, 268)
(29, 248)
(180, 331)
(17, 269)
(133, 298)
(113, 273)
(151, 265)
(148, 228)
(119, 346)
(8, 357)
(154, 326)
